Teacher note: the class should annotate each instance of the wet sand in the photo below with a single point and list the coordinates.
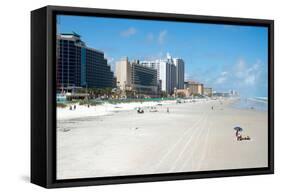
(191, 137)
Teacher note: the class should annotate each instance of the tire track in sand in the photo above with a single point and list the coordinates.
(170, 151)
(198, 131)
(205, 148)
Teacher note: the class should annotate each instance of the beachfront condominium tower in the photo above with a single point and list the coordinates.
(167, 73)
(144, 79)
(81, 66)
(165, 76)
(123, 73)
(155, 65)
(133, 76)
(179, 63)
(170, 73)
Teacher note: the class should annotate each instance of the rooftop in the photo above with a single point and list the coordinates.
(71, 34)
(192, 82)
(77, 38)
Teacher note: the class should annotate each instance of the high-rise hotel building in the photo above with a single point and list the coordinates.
(133, 76)
(170, 73)
(81, 66)
(144, 79)
(124, 74)
(167, 76)
(179, 63)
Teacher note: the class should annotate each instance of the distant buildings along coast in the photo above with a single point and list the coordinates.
(81, 66)
(195, 88)
(150, 77)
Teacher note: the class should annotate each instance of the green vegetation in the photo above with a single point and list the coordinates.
(128, 100)
(61, 105)
(90, 102)
(98, 96)
(181, 94)
(164, 94)
(96, 92)
(95, 102)
(197, 95)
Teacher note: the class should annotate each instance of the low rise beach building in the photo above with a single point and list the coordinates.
(195, 88)
(182, 93)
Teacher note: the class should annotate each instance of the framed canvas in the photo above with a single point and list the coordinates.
(126, 96)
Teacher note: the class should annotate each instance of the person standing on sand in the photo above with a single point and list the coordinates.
(238, 133)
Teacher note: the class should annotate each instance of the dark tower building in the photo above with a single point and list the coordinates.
(80, 66)
(144, 79)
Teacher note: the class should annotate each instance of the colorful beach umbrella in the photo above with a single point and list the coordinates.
(237, 128)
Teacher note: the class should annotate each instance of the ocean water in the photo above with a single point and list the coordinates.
(257, 103)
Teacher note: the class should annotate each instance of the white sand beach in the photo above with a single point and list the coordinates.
(114, 140)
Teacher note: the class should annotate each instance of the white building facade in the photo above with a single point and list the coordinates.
(170, 73)
(123, 73)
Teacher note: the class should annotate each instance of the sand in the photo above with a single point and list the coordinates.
(191, 137)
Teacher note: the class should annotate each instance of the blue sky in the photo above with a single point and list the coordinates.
(221, 56)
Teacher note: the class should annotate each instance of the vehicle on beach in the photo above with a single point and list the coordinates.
(179, 101)
(153, 109)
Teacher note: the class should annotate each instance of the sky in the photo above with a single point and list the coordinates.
(220, 56)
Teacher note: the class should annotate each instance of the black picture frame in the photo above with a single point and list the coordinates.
(43, 98)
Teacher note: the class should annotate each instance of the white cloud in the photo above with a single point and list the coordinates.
(223, 77)
(250, 80)
(220, 80)
(247, 78)
(162, 36)
(128, 32)
(224, 73)
(240, 69)
(150, 37)
(247, 75)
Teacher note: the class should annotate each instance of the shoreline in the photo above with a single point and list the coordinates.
(108, 108)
